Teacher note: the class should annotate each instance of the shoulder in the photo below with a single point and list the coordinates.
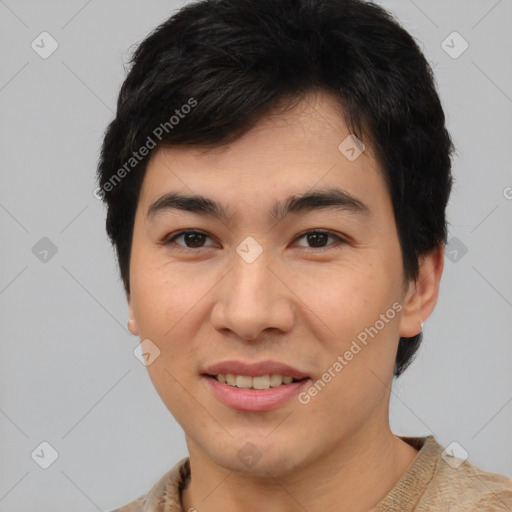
(165, 495)
(459, 486)
(471, 488)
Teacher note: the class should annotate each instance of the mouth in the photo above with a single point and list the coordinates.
(254, 386)
(254, 394)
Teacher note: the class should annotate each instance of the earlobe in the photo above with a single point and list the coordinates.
(421, 297)
(132, 323)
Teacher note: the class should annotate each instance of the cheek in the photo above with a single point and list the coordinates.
(163, 296)
(167, 307)
(344, 296)
(361, 308)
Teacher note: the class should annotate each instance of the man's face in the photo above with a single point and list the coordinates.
(303, 301)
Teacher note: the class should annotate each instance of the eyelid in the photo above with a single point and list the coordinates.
(169, 239)
(340, 239)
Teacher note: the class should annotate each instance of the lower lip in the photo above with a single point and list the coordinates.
(254, 399)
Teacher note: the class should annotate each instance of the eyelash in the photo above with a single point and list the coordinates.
(170, 239)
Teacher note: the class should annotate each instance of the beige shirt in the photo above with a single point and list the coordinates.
(429, 484)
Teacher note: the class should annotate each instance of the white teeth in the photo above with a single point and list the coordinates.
(276, 380)
(260, 382)
(264, 381)
(243, 382)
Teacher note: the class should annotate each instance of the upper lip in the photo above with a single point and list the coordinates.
(254, 369)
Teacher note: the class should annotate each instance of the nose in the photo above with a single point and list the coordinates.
(253, 298)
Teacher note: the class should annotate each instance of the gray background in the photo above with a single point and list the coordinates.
(68, 373)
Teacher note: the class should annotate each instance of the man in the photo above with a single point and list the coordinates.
(276, 180)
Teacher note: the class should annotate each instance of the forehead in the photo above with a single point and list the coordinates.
(290, 152)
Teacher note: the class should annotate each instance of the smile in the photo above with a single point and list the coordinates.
(249, 398)
(260, 382)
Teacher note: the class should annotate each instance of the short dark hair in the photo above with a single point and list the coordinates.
(211, 71)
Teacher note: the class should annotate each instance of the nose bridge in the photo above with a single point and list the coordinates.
(251, 279)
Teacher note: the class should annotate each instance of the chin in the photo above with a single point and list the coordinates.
(257, 456)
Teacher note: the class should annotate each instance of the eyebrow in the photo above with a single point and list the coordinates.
(331, 198)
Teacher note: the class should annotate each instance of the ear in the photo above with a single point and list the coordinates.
(421, 296)
(132, 323)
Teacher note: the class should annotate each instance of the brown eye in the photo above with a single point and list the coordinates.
(318, 239)
(192, 239)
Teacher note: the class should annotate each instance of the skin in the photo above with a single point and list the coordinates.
(295, 303)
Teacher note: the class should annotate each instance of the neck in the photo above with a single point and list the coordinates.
(355, 476)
